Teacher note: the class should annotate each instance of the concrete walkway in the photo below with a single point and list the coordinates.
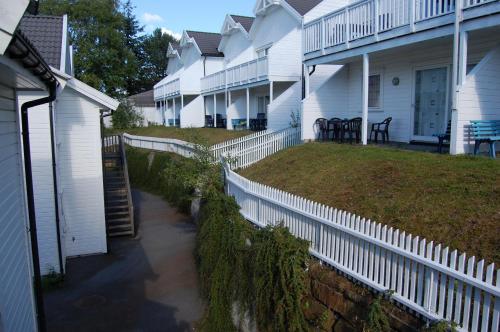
(145, 284)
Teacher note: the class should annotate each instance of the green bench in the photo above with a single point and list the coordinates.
(485, 131)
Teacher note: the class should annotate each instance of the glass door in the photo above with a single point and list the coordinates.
(431, 102)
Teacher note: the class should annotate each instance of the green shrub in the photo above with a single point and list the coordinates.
(377, 319)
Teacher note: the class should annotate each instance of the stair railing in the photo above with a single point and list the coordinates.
(123, 157)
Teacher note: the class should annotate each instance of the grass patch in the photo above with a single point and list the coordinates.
(451, 200)
(209, 136)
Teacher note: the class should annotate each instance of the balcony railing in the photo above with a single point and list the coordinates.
(246, 73)
(168, 89)
(371, 17)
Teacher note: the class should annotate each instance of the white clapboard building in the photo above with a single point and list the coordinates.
(65, 153)
(425, 64)
(178, 96)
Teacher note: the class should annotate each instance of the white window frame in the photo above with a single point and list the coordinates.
(264, 48)
(381, 97)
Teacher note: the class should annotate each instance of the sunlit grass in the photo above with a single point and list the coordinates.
(451, 200)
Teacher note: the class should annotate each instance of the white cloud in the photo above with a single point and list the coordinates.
(151, 18)
(176, 35)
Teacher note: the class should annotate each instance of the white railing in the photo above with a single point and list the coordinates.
(248, 150)
(248, 72)
(179, 147)
(214, 82)
(430, 279)
(243, 151)
(168, 89)
(370, 17)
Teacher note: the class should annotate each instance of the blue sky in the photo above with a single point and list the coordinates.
(175, 16)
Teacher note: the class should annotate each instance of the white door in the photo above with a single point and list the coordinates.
(431, 104)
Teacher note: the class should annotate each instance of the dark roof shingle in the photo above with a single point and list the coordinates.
(144, 99)
(245, 21)
(208, 42)
(46, 34)
(303, 6)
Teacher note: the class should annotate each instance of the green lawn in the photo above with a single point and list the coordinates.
(451, 200)
(210, 136)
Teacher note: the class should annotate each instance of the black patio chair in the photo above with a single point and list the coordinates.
(381, 128)
(335, 126)
(322, 126)
(446, 136)
(354, 129)
(261, 121)
(220, 121)
(209, 121)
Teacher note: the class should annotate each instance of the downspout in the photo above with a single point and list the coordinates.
(31, 201)
(304, 80)
(56, 190)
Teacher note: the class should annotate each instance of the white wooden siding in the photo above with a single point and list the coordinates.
(193, 114)
(396, 101)
(479, 98)
(80, 169)
(17, 310)
(237, 49)
(43, 182)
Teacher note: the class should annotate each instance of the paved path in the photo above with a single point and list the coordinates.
(144, 284)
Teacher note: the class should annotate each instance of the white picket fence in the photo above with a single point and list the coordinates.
(433, 281)
(179, 147)
(243, 151)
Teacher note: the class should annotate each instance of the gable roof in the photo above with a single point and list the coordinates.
(245, 21)
(208, 42)
(46, 34)
(144, 99)
(303, 6)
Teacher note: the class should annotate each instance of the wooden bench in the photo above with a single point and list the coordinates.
(239, 124)
(485, 131)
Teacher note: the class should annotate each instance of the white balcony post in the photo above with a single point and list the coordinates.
(376, 10)
(412, 15)
(164, 111)
(366, 71)
(271, 91)
(175, 111)
(347, 27)
(215, 110)
(322, 29)
(248, 108)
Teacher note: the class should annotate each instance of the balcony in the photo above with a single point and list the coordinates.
(168, 89)
(370, 21)
(246, 73)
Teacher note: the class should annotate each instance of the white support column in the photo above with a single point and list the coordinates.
(215, 110)
(229, 118)
(225, 106)
(182, 102)
(164, 111)
(464, 41)
(307, 83)
(271, 91)
(174, 111)
(457, 63)
(248, 108)
(366, 73)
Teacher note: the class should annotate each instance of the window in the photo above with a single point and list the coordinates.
(262, 103)
(374, 91)
(264, 51)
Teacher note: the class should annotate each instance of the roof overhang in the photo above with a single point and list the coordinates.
(187, 41)
(229, 28)
(172, 52)
(265, 7)
(95, 95)
(11, 13)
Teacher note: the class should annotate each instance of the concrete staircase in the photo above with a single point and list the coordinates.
(117, 194)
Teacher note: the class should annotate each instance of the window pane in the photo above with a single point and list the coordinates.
(374, 91)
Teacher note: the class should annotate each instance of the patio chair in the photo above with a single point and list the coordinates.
(322, 126)
(261, 121)
(354, 129)
(446, 136)
(335, 126)
(220, 121)
(381, 128)
(209, 121)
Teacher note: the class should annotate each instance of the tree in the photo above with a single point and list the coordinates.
(155, 47)
(126, 116)
(134, 40)
(102, 57)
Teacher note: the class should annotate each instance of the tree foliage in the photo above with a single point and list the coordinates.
(111, 52)
(126, 116)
